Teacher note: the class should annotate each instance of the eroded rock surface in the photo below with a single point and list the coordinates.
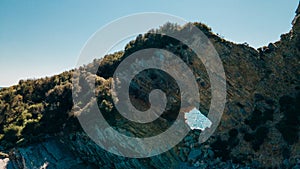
(259, 127)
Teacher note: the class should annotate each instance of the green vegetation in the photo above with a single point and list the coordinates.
(34, 107)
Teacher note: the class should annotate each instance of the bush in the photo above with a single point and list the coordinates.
(12, 133)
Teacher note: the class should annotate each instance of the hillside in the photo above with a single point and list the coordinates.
(259, 127)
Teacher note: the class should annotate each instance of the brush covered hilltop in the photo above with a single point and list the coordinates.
(259, 127)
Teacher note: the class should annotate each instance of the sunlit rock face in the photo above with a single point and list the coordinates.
(196, 120)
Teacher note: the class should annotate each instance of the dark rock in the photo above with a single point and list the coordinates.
(194, 155)
(220, 147)
(272, 46)
(258, 97)
(286, 163)
(259, 137)
(289, 125)
(210, 153)
(49, 154)
(262, 105)
(233, 133)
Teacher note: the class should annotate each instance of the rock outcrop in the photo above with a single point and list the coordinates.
(259, 128)
(52, 153)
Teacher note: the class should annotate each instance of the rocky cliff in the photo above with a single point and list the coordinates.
(259, 127)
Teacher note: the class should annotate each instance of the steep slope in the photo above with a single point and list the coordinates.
(259, 127)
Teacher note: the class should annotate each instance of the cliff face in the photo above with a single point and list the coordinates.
(259, 127)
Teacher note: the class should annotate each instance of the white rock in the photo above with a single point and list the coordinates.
(4, 162)
(196, 120)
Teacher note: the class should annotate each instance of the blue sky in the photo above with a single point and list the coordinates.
(42, 38)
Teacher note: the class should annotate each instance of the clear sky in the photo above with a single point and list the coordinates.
(40, 38)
